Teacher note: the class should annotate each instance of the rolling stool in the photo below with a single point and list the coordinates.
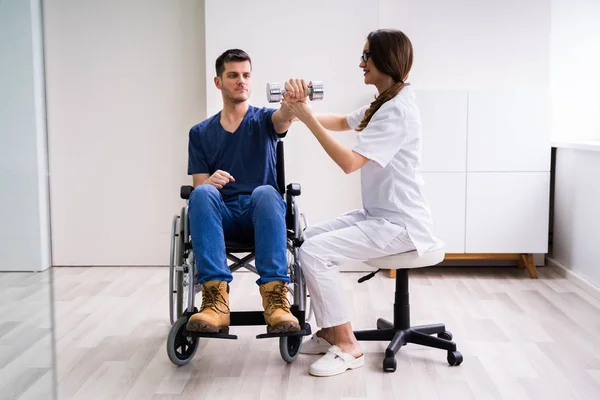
(400, 332)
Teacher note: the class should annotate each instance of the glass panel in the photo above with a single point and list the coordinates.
(27, 355)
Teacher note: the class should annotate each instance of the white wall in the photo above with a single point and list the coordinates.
(576, 213)
(575, 62)
(474, 44)
(126, 80)
(24, 216)
(575, 85)
(125, 84)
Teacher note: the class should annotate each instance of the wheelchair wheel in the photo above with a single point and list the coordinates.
(181, 276)
(173, 275)
(180, 347)
(309, 308)
(178, 296)
(289, 347)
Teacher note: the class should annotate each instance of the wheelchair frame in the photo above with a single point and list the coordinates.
(181, 344)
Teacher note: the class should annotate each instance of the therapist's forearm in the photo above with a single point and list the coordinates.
(282, 119)
(341, 155)
(333, 122)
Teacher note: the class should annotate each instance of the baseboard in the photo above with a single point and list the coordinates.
(574, 277)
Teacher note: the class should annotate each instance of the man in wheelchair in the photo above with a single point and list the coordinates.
(232, 159)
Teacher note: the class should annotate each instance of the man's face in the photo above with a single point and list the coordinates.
(236, 81)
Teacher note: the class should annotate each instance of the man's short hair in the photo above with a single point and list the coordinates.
(235, 55)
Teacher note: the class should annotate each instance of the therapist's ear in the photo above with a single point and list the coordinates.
(217, 82)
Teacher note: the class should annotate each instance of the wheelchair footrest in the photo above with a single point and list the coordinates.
(302, 332)
(213, 335)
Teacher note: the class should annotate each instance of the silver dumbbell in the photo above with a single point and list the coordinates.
(275, 91)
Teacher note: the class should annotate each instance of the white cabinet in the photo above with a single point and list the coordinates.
(486, 167)
(507, 212)
(445, 193)
(444, 152)
(508, 131)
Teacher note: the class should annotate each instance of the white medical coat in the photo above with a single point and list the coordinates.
(392, 186)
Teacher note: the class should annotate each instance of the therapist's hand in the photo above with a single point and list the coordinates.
(296, 90)
(301, 110)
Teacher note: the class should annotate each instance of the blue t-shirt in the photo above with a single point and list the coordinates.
(248, 154)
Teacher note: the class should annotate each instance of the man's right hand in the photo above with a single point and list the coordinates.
(219, 179)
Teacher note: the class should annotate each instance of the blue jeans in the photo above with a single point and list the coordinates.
(259, 217)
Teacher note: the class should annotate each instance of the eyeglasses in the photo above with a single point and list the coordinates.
(365, 56)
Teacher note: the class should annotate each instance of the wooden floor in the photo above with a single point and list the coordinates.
(521, 339)
(26, 352)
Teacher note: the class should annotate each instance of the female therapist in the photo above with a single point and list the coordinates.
(395, 217)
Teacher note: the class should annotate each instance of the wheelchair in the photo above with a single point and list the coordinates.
(182, 344)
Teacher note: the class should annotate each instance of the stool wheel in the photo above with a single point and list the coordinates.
(389, 364)
(454, 358)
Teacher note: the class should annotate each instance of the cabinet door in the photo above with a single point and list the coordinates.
(507, 212)
(444, 120)
(508, 130)
(445, 193)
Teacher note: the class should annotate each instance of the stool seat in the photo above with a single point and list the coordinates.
(410, 259)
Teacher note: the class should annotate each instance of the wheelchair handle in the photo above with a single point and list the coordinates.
(294, 189)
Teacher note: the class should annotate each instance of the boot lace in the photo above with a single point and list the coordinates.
(277, 298)
(213, 299)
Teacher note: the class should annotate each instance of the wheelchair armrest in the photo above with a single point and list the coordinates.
(186, 191)
(294, 189)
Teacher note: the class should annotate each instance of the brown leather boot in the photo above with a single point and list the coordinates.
(277, 308)
(214, 313)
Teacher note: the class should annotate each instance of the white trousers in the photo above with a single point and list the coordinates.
(326, 246)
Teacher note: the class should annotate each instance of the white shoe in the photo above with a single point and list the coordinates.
(334, 362)
(315, 345)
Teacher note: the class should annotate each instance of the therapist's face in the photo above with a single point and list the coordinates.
(371, 74)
